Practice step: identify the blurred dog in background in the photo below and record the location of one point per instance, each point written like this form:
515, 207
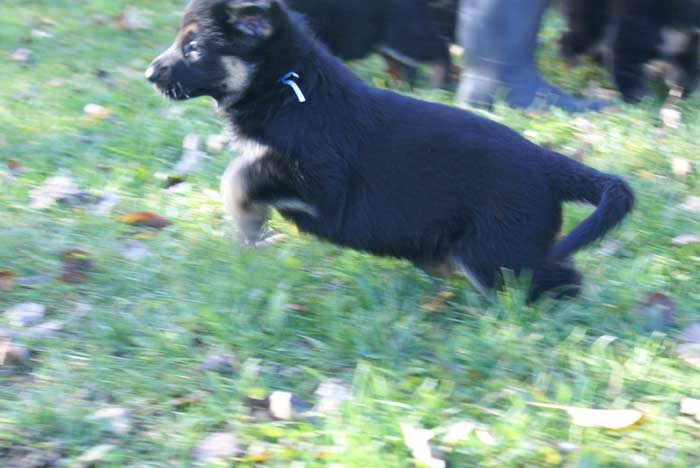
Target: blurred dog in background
408, 33
638, 38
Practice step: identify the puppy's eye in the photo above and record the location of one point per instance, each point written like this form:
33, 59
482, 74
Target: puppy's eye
191, 50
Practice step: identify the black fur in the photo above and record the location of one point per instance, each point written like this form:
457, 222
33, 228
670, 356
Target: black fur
639, 37
588, 21
404, 31
395, 176
632, 31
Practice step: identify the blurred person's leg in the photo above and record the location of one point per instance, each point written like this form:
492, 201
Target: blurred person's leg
499, 38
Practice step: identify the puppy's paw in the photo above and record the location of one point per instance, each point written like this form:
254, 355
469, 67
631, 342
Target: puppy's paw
271, 238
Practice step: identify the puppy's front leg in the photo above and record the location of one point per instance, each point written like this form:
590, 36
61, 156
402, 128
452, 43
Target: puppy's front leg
248, 215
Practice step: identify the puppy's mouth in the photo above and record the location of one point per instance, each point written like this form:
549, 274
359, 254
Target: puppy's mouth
174, 91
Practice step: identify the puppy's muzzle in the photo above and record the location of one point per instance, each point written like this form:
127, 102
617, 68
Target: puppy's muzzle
160, 70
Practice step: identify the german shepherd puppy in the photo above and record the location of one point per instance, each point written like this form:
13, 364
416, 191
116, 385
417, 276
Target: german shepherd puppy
374, 170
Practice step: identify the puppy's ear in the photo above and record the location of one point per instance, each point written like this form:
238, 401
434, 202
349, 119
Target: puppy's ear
253, 18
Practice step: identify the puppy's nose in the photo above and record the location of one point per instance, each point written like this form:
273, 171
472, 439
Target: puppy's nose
158, 73
152, 73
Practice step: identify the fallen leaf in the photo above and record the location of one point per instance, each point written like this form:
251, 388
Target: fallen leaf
13, 354
330, 395
458, 432
26, 314
297, 308
7, 280
145, 218
95, 454
53, 189
567, 447
670, 117
41, 34
686, 239
657, 312
106, 204
689, 353
21, 55
133, 19
96, 112
217, 448
286, 406
14, 166
44, 330
597, 418
117, 418
76, 264
691, 407
485, 437
438, 302
692, 204
220, 363
681, 167
32, 281
258, 453
417, 440
136, 251
691, 333
271, 240
608, 249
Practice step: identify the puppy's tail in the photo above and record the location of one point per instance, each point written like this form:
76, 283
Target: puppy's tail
573, 181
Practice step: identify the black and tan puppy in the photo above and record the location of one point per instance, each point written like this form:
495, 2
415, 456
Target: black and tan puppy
374, 170
405, 32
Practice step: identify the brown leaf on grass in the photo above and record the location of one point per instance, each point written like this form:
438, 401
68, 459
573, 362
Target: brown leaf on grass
76, 264
7, 280
438, 302
689, 353
417, 440
686, 239
14, 166
145, 218
597, 418
657, 312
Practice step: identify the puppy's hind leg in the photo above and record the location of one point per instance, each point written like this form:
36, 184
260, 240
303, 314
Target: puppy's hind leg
560, 278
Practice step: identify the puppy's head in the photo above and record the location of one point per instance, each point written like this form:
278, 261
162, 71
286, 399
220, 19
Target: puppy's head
212, 53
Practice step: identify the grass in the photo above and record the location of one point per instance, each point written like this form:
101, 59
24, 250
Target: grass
135, 334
